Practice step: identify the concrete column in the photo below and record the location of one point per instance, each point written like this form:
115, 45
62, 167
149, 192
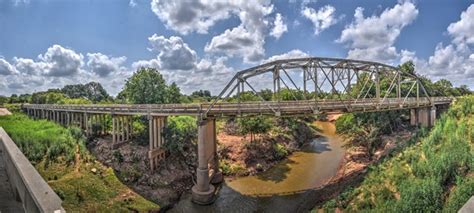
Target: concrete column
114, 129
432, 115
413, 117
87, 126
202, 191
211, 141
424, 116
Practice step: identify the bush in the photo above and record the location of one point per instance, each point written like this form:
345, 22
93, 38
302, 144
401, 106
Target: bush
181, 131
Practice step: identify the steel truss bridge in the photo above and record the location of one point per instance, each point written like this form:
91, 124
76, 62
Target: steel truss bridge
297, 87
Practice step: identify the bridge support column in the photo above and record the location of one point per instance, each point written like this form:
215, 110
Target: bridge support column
120, 130
425, 116
157, 139
432, 115
203, 191
413, 117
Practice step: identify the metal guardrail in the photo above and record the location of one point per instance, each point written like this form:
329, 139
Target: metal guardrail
35, 194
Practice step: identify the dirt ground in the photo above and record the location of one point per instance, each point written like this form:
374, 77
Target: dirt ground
4, 111
163, 186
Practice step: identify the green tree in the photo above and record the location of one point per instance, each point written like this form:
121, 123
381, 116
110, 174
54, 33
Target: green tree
3, 100
173, 94
254, 126
92, 91
146, 86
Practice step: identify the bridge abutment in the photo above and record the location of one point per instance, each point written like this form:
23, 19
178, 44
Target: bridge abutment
425, 116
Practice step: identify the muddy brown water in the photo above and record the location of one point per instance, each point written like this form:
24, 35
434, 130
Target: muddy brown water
282, 187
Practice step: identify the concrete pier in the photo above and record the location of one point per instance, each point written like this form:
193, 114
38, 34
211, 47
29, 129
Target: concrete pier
425, 116
208, 165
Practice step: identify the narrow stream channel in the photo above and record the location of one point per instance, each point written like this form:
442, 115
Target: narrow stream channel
279, 188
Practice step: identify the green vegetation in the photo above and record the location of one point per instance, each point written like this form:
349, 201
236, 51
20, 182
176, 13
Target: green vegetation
364, 129
254, 126
433, 175
180, 131
147, 86
62, 159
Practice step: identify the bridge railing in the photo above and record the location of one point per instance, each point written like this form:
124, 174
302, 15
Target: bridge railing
255, 107
35, 194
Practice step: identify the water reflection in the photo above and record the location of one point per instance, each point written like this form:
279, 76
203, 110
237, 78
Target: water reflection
281, 188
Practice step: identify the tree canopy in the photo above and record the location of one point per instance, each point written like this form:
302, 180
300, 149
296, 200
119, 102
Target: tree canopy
147, 86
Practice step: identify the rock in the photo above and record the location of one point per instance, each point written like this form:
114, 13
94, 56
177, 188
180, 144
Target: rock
94, 170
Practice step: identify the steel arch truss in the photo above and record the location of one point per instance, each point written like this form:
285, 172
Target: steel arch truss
326, 79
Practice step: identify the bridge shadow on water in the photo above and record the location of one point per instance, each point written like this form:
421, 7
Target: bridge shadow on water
278, 172
318, 145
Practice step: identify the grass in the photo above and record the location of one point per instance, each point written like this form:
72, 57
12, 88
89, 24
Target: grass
60, 156
436, 174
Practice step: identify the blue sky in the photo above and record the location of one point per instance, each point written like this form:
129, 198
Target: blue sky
199, 45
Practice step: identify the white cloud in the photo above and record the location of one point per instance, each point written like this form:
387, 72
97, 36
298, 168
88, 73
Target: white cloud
454, 61
321, 19
199, 16
103, 65
192, 16
28, 66
278, 27
132, 3
372, 38
60, 61
463, 30
6, 68
238, 42
174, 53
295, 53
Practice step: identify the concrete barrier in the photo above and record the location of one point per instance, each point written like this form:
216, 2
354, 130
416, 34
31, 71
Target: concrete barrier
33, 191
468, 207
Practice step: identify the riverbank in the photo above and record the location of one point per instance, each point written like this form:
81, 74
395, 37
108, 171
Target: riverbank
434, 173
241, 155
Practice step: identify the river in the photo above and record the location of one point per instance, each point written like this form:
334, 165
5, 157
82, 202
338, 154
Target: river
280, 188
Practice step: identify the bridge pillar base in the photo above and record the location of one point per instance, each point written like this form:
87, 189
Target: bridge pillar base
203, 197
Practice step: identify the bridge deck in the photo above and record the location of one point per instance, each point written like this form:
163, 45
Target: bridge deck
8, 203
302, 107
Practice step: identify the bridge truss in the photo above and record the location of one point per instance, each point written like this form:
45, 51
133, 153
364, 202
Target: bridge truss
317, 80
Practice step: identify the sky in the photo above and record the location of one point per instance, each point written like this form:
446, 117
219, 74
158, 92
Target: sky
201, 44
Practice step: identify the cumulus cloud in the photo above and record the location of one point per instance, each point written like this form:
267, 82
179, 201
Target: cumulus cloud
238, 42
192, 16
179, 63
174, 53
60, 61
454, 61
103, 65
6, 68
278, 27
463, 30
245, 40
60, 66
321, 19
372, 38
